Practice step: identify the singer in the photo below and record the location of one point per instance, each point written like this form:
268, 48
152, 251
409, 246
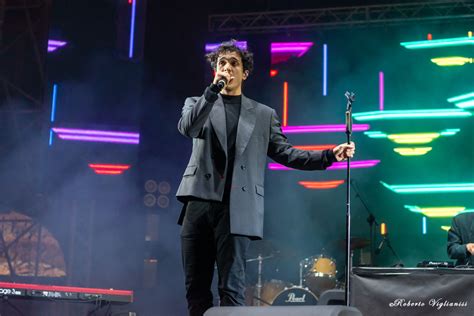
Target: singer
222, 186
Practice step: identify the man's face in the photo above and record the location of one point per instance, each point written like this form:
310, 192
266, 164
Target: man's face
231, 62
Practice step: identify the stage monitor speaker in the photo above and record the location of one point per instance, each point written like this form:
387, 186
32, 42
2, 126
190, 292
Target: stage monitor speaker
283, 311
332, 297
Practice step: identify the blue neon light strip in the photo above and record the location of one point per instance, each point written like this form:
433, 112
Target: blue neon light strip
53, 111
53, 102
50, 137
132, 29
458, 41
325, 70
424, 225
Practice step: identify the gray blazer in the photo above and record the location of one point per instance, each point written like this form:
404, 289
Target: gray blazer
460, 234
258, 134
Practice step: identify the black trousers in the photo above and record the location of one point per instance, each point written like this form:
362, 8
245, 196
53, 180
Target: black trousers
206, 240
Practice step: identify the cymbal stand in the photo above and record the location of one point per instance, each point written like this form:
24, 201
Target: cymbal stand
301, 274
259, 279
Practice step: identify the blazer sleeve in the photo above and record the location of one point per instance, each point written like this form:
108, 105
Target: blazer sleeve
195, 113
280, 150
456, 248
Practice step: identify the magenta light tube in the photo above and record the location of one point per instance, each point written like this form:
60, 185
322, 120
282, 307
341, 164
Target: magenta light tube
336, 165
292, 44
325, 69
288, 49
213, 46
354, 164
323, 128
56, 43
100, 139
75, 131
381, 91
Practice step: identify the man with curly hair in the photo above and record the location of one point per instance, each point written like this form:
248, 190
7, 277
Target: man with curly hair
222, 187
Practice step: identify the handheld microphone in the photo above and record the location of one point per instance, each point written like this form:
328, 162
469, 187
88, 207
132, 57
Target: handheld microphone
221, 83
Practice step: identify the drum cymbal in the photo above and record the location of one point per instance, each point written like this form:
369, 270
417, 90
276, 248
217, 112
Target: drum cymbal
356, 243
259, 258
263, 248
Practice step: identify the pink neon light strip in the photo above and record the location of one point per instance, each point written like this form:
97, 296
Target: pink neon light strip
213, 46
336, 165
285, 104
323, 128
292, 44
381, 91
54, 44
100, 139
73, 131
315, 147
290, 47
354, 164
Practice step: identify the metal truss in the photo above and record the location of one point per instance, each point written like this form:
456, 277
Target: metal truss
27, 249
338, 17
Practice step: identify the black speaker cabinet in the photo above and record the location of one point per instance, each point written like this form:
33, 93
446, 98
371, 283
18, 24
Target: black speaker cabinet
284, 311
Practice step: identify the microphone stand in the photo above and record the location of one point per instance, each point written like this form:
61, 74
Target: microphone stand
386, 241
350, 98
370, 219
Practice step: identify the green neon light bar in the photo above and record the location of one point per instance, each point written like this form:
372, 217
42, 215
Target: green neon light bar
465, 104
410, 114
375, 134
449, 132
430, 188
461, 97
446, 42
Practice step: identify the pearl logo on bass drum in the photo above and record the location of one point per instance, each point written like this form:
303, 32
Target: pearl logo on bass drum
293, 299
295, 296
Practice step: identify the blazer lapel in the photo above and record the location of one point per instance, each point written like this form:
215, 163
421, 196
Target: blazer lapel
246, 125
217, 117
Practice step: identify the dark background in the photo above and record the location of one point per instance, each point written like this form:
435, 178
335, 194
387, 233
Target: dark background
100, 88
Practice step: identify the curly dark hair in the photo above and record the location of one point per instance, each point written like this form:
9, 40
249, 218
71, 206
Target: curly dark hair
231, 46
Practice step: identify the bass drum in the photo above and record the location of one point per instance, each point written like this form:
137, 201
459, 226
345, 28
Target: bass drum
295, 296
270, 290
321, 274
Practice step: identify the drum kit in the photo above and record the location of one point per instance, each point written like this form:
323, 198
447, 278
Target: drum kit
317, 274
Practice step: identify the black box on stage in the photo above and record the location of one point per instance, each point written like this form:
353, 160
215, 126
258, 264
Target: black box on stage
284, 311
413, 291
